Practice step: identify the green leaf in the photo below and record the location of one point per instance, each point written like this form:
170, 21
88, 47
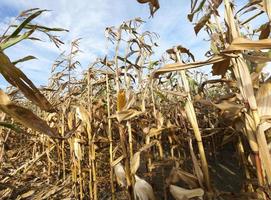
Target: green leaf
14, 41
24, 23
24, 59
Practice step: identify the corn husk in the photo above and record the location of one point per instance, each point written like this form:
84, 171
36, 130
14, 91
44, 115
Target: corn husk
180, 193
143, 190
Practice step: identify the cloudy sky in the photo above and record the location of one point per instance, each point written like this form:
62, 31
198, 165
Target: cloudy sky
87, 19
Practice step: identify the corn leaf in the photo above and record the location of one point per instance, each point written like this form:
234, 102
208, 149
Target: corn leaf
18, 79
23, 24
181, 66
13, 41
24, 59
25, 116
241, 43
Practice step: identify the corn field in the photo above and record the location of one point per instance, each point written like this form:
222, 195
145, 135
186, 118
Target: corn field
140, 128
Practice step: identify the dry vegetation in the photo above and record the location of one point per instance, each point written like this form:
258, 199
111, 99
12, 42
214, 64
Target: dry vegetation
137, 128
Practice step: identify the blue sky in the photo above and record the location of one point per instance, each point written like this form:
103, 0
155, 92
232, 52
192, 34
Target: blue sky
88, 19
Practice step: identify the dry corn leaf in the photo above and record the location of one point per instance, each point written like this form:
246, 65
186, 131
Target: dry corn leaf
147, 146
229, 19
258, 57
25, 116
126, 114
202, 22
118, 160
264, 99
250, 128
241, 43
155, 131
243, 77
264, 150
18, 79
70, 120
197, 168
191, 115
27, 194
180, 49
265, 31
231, 108
83, 114
181, 66
183, 194
177, 175
160, 119
267, 7
131, 99
205, 18
220, 68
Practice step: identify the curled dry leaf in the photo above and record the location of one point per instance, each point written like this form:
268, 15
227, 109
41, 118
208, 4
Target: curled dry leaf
154, 5
220, 68
212, 9
183, 194
25, 116
202, 22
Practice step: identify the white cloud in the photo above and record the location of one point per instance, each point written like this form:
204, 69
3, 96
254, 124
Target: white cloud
87, 20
